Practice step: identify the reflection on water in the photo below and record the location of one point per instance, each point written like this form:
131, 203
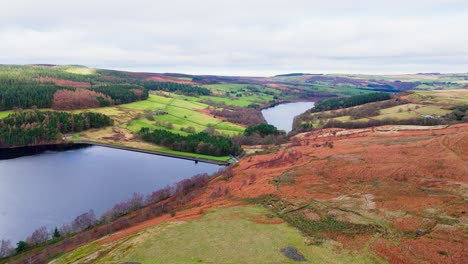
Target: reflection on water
282, 116
51, 188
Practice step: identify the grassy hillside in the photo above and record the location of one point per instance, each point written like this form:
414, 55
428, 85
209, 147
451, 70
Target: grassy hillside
242, 234
434, 106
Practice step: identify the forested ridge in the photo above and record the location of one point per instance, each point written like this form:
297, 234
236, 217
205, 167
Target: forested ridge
176, 88
337, 103
26, 94
201, 143
42, 87
36, 127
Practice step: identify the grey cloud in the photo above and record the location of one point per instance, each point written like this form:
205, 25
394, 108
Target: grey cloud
233, 37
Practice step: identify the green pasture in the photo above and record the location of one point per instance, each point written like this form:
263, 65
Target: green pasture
230, 235
182, 113
4, 114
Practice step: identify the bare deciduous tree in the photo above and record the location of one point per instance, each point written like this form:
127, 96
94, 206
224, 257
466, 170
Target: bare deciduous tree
6, 249
40, 235
84, 221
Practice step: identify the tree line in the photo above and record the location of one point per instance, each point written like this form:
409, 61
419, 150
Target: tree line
460, 113
261, 134
176, 88
17, 93
337, 103
262, 129
36, 127
122, 93
201, 143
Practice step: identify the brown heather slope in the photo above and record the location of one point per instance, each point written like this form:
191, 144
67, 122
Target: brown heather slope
412, 185
160, 77
400, 194
62, 82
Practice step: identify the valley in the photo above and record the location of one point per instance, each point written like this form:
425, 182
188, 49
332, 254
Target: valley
349, 168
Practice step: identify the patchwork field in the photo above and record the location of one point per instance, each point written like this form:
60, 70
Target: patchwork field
442, 97
241, 94
407, 111
181, 113
415, 105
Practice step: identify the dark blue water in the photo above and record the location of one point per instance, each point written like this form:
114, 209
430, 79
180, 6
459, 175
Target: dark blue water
52, 188
282, 116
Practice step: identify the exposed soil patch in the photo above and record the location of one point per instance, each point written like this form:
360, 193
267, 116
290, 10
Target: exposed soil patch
277, 86
159, 77
267, 219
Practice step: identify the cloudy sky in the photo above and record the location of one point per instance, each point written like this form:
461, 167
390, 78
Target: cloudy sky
239, 37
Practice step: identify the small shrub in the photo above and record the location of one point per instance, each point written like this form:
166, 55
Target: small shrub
252, 179
217, 192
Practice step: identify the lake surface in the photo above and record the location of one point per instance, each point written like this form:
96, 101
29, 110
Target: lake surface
52, 188
282, 116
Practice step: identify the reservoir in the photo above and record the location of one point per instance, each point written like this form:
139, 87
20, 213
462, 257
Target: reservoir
282, 116
53, 187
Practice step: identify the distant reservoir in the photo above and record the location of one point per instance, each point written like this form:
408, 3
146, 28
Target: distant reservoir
282, 115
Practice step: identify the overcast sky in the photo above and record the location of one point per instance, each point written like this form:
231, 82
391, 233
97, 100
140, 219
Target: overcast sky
251, 37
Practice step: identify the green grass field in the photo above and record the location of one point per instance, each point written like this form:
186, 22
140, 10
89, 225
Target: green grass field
406, 111
182, 113
443, 97
400, 112
4, 114
240, 94
343, 90
221, 236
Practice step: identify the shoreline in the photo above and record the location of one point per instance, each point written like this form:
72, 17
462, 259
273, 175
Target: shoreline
77, 143
152, 152
289, 101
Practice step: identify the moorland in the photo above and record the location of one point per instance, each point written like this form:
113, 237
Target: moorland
374, 173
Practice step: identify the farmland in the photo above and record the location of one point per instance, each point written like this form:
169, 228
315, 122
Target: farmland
196, 103
442, 97
417, 105
402, 112
181, 113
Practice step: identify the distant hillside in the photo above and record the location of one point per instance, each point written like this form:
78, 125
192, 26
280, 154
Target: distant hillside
291, 74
